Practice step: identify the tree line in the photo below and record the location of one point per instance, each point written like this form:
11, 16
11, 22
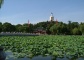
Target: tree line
51, 27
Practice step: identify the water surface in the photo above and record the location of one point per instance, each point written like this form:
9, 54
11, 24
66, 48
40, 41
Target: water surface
10, 56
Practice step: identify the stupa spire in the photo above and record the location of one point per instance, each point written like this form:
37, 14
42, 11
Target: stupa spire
51, 17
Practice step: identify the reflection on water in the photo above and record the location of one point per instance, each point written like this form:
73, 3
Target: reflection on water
10, 56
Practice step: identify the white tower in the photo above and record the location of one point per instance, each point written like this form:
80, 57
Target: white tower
51, 17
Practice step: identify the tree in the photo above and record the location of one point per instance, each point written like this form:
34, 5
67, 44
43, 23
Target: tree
27, 28
41, 24
1, 1
75, 25
71, 26
7, 27
0, 27
31, 28
13, 29
18, 28
76, 31
82, 28
49, 25
53, 29
60, 28
64, 29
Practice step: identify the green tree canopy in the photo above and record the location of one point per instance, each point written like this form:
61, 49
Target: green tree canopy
0, 27
76, 31
60, 28
82, 28
7, 27
18, 28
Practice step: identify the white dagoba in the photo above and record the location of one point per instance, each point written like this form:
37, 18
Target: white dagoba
51, 17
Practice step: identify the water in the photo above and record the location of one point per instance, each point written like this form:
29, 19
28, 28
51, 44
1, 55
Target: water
10, 56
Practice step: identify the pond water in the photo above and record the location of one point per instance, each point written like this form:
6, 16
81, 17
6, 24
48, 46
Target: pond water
10, 56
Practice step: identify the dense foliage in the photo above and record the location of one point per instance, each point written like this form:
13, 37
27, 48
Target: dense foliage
51, 27
57, 46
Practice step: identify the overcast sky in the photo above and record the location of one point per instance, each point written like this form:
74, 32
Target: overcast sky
20, 11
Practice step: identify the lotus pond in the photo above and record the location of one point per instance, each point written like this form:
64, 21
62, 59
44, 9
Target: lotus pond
46, 47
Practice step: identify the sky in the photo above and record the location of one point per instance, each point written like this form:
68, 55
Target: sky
20, 11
